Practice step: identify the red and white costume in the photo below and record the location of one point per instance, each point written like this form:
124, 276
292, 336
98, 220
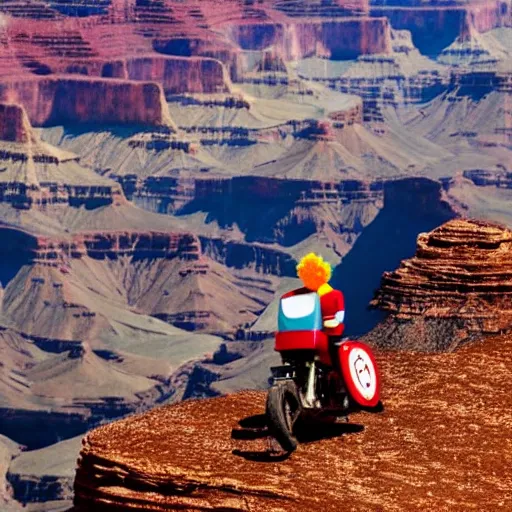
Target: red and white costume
333, 310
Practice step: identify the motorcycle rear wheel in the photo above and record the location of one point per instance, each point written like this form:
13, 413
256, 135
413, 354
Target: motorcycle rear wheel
283, 409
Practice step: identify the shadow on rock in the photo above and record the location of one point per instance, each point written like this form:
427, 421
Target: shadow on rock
310, 430
268, 456
253, 427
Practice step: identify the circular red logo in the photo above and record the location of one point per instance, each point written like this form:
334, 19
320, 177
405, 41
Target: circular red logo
360, 373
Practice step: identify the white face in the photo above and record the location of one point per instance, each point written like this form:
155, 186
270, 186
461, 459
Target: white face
363, 373
299, 306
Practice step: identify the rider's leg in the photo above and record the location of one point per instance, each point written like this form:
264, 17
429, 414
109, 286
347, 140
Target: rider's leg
334, 352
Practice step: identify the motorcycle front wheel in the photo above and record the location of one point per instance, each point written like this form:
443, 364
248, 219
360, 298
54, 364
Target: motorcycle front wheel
283, 409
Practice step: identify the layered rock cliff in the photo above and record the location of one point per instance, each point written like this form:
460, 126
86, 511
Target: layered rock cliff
457, 286
335, 39
73, 100
45, 475
14, 124
216, 454
435, 25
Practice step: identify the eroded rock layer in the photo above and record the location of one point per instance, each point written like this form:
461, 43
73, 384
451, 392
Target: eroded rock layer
83, 100
462, 272
207, 455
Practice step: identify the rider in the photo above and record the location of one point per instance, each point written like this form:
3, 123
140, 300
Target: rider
315, 273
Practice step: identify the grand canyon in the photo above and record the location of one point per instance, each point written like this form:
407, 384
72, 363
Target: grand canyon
164, 165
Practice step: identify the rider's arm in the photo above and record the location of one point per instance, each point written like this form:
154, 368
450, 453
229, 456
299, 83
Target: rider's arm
334, 320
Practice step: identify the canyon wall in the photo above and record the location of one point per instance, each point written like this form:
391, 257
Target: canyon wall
50, 101
335, 39
434, 27
180, 75
14, 125
99, 245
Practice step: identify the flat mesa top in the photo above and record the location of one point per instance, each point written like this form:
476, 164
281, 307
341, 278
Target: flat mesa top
214, 453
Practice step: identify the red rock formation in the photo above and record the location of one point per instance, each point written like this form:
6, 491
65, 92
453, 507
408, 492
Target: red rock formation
340, 38
84, 45
461, 276
14, 124
80, 100
179, 74
210, 454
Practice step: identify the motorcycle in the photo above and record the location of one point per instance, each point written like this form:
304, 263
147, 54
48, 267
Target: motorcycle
311, 380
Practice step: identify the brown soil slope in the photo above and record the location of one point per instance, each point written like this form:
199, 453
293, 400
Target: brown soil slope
442, 443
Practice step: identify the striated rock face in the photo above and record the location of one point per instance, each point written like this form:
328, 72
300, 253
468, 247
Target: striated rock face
179, 74
336, 39
458, 284
35, 175
116, 244
51, 101
435, 25
99, 245
164, 275
215, 454
14, 124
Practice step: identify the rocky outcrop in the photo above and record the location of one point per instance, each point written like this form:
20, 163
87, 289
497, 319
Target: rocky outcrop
157, 460
35, 175
46, 474
336, 39
25, 197
176, 74
434, 26
180, 75
50, 101
489, 178
14, 124
457, 286
8, 450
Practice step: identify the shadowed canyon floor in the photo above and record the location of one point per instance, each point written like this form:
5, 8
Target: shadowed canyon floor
443, 442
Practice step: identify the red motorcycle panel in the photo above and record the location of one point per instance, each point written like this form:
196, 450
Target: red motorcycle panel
301, 340
304, 340
360, 373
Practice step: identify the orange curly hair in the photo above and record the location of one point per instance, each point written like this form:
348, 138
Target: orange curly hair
314, 271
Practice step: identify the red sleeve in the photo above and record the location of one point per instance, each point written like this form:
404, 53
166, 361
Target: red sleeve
332, 302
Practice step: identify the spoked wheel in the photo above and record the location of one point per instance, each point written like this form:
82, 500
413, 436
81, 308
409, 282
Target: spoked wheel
283, 410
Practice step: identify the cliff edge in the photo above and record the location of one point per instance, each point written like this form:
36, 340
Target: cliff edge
441, 441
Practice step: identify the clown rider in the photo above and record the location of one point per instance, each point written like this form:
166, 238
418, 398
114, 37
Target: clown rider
315, 274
